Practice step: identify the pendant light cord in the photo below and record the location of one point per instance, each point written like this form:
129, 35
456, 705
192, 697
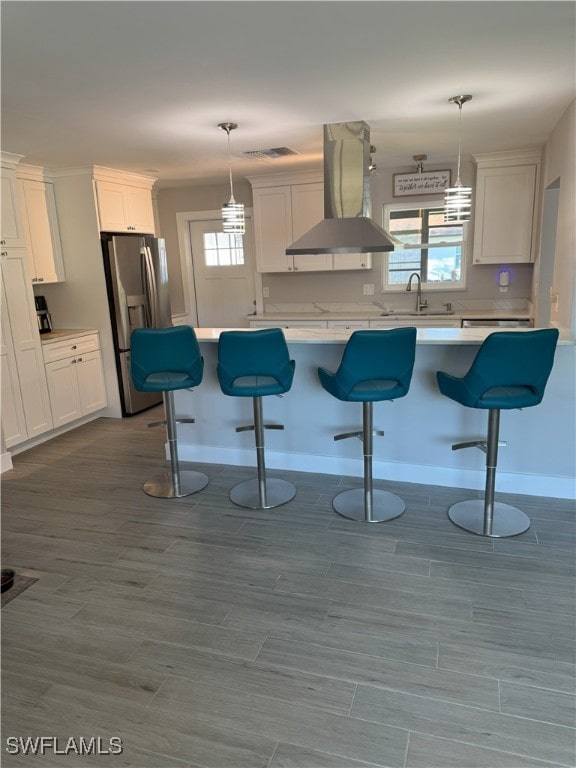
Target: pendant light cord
458, 182
230, 166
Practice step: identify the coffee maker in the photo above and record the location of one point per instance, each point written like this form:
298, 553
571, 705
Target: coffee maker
44, 319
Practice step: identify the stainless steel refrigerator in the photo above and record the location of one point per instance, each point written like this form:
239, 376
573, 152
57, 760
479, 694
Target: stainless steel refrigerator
138, 295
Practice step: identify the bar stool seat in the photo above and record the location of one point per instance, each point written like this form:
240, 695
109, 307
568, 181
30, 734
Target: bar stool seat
375, 366
166, 360
257, 364
509, 371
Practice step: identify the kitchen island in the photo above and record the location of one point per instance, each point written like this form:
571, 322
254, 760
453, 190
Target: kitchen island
540, 457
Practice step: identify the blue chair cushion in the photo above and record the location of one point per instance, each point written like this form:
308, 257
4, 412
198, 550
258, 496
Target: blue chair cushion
510, 370
376, 365
254, 363
165, 359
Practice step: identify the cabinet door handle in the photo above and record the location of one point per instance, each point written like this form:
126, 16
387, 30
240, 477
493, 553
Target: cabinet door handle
73, 361
74, 346
79, 360
4, 253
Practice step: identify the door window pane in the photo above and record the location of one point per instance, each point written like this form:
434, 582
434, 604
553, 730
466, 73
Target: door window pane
223, 250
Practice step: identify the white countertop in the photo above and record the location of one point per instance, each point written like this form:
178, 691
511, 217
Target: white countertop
513, 314
66, 333
341, 335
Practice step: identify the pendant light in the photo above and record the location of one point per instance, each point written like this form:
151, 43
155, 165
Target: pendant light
232, 212
458, 199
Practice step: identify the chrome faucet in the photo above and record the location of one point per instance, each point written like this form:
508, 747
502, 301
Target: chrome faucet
420, 305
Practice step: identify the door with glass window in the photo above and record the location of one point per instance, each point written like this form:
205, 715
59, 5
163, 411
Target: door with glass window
223, 275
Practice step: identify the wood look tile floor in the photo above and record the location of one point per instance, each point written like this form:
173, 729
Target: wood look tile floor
209, 636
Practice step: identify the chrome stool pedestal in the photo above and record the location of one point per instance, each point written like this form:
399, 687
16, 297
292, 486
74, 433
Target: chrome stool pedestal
488, 517
367, 504
261, 492
175, 483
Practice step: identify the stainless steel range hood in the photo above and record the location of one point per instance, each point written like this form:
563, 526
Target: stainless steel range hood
346, 227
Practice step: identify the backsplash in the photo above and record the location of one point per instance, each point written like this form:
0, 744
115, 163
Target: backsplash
400, 302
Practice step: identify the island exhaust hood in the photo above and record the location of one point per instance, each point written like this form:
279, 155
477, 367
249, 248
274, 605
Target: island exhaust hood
346, 227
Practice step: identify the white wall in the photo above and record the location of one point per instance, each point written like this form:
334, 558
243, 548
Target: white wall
560, 163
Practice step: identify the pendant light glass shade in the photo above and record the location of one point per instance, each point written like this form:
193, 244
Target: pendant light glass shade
458, 199
233, 221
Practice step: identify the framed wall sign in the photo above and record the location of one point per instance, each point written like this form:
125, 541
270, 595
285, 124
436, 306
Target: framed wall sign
425, 183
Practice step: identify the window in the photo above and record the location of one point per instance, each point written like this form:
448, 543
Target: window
433, 249
223, 250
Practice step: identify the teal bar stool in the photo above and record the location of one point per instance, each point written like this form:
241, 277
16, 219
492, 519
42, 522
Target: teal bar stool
375, 366
257, 364
509, 371
165, 360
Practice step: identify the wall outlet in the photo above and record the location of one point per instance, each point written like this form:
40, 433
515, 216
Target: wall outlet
368, 289
266, 292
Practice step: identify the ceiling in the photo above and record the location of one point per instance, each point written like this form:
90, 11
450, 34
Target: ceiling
141, 86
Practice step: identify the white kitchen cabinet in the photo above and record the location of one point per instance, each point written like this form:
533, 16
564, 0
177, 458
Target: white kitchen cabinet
75, 378
418, 322
505, 207
41, 229
124, 207
349, 324
12, 233
13, 420
284, 210
288, 324
282, 214
25, 342
352, 260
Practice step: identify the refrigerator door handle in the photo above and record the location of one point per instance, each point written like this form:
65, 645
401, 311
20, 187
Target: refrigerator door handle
151, 289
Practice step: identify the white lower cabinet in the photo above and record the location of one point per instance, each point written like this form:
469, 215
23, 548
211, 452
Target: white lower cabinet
351, 324
75, 378
288, 324
13, 421
418, 322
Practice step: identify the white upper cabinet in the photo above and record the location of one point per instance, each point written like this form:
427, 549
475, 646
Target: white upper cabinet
285, 208
505, 207
124, 206
12, 233
41, 228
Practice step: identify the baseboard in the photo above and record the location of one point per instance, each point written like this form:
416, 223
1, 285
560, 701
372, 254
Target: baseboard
451, 477
6, 462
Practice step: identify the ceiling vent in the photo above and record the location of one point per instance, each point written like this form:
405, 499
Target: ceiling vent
269, 154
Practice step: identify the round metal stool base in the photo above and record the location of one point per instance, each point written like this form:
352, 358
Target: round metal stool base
506, 521
247, 494
161, 486
385, 505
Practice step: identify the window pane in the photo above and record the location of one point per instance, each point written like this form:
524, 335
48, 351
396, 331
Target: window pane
432, 248
223, 250
444, 264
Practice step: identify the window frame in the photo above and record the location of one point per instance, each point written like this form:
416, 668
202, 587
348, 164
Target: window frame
387, 287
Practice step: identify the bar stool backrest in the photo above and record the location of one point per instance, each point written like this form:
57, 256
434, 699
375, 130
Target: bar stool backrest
510, 370
376, 356
164, 359
261, 354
